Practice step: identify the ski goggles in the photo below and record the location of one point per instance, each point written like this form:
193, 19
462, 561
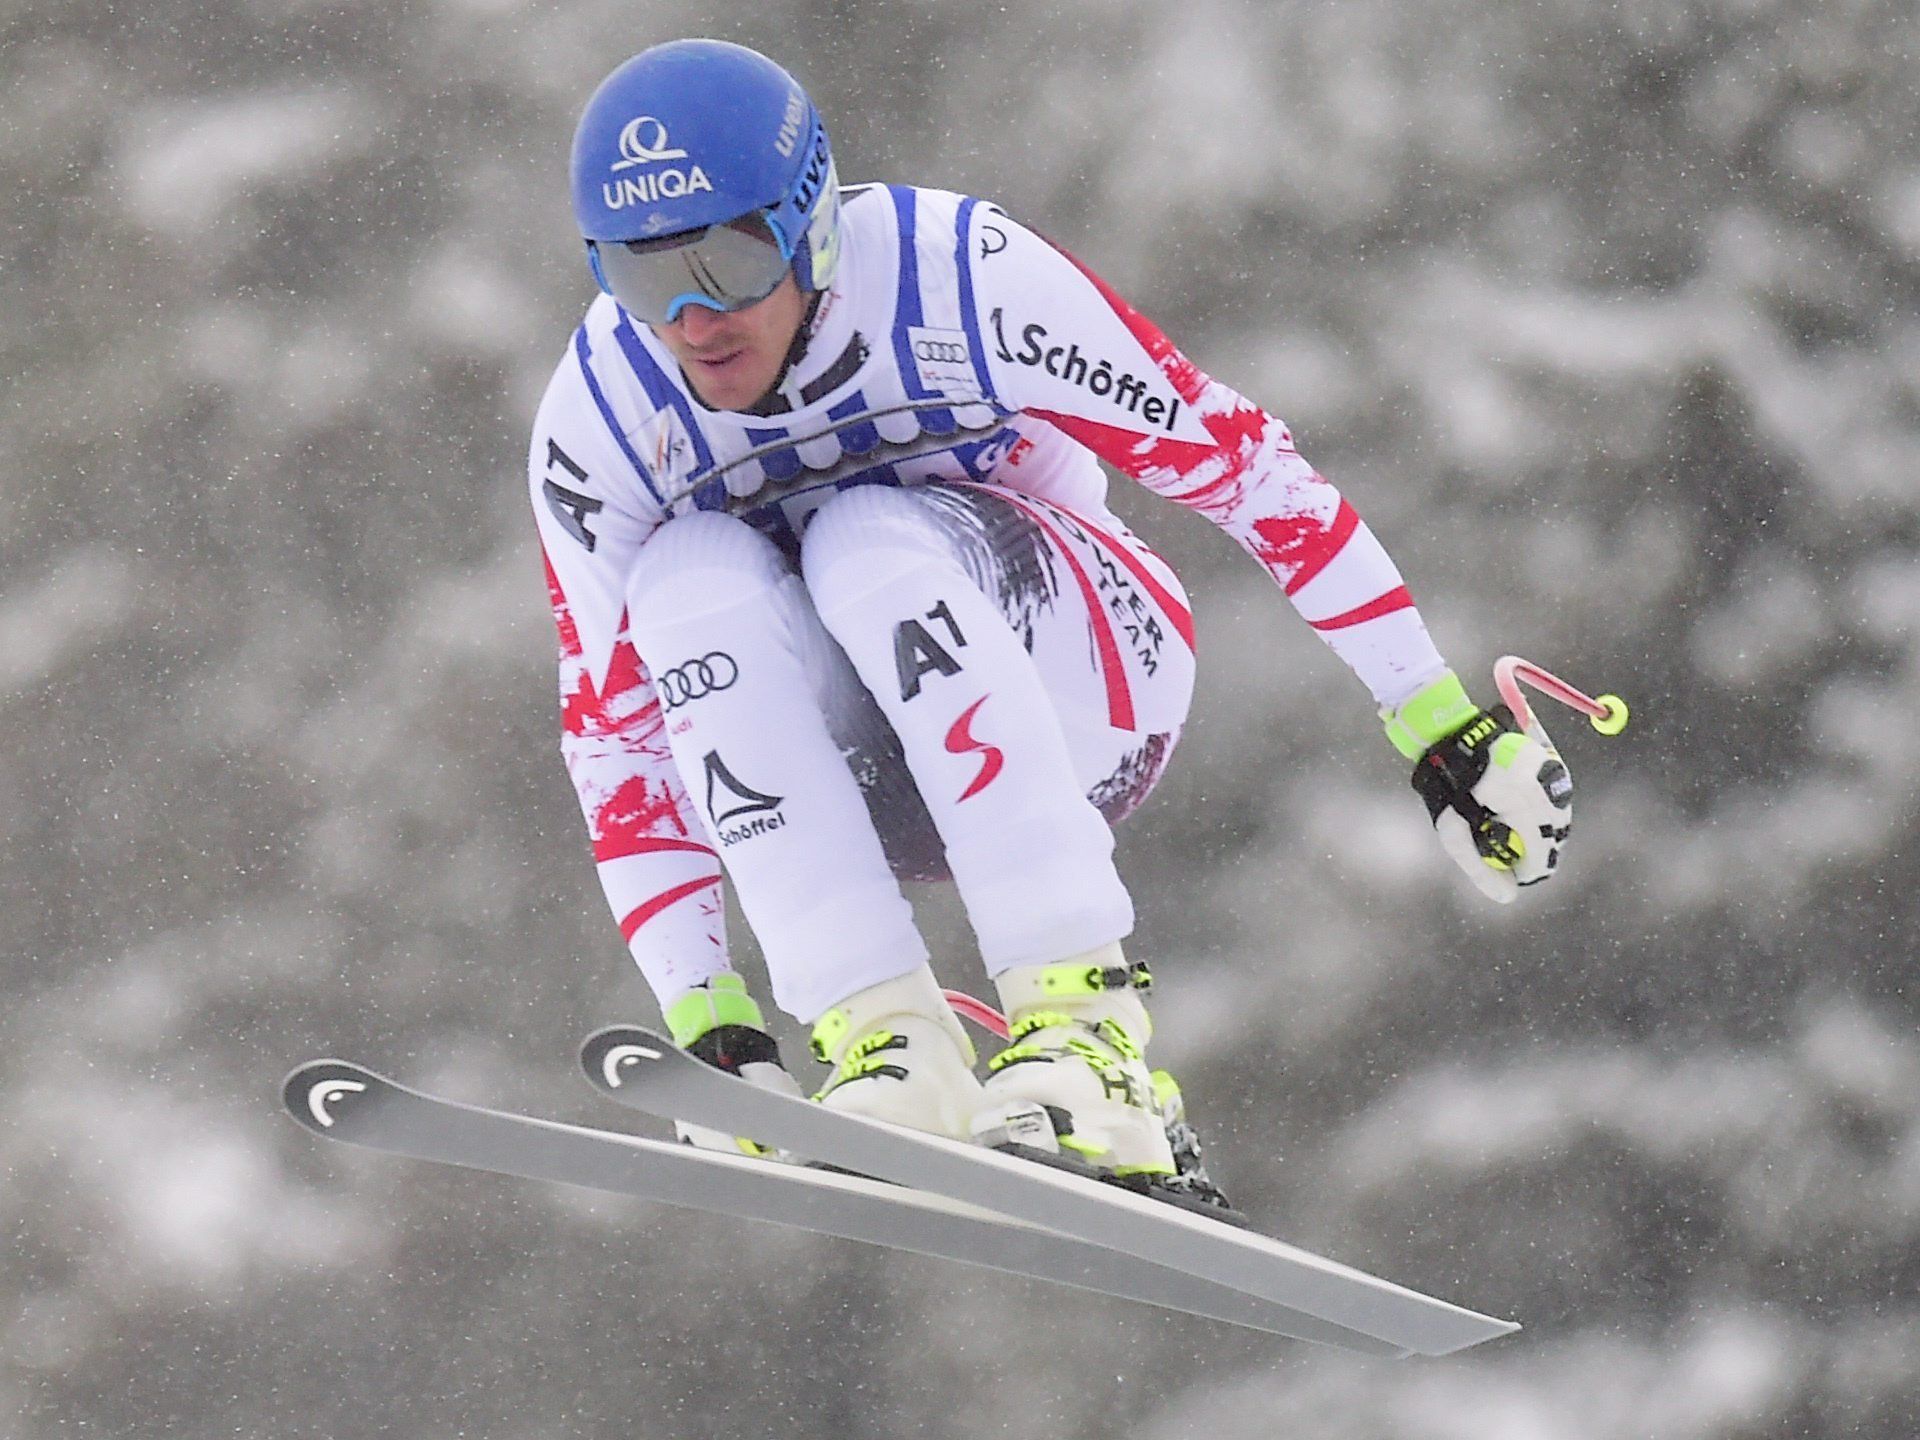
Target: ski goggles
724, 267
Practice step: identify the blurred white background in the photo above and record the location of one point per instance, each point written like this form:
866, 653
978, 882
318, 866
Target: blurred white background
1603, 314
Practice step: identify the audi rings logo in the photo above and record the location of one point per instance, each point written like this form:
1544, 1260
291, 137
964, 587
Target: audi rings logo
946, 352
695, 678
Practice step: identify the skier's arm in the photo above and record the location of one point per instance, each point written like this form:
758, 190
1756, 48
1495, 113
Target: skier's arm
660, 874
1062, 345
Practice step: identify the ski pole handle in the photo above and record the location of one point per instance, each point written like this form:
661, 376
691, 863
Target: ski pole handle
1608, 713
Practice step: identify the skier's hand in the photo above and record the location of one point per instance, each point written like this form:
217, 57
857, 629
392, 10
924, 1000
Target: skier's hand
1500, 797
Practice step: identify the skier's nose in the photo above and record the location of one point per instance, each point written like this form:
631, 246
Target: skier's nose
699, 324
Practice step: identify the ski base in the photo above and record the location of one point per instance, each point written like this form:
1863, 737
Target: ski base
645, 1070
929, 1195
341, 1101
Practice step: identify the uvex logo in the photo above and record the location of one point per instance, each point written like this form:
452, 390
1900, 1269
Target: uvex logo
819, 166
789, 135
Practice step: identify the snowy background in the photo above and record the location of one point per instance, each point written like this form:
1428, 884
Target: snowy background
1603, 313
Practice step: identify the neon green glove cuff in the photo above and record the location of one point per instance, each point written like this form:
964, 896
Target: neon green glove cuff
723, 1000
1430, 716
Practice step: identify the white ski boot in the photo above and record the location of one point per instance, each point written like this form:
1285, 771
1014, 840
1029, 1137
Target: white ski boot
719, 1023
1078, 1031
899, 1055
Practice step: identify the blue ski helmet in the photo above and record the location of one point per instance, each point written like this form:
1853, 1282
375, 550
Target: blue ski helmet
688, 137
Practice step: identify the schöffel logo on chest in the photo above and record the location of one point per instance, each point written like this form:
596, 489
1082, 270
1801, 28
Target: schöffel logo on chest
1144, 396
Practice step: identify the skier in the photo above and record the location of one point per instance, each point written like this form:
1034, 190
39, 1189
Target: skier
841, 603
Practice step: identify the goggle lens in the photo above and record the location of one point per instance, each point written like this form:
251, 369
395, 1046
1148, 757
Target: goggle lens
724, 267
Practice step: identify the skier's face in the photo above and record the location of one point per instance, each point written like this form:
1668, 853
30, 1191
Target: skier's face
732, 358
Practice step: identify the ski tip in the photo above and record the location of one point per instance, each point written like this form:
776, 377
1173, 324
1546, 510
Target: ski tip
1487, 1328
322, 1093
609, 1055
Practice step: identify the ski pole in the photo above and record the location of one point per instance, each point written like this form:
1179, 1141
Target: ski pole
978, 1011
1608, 713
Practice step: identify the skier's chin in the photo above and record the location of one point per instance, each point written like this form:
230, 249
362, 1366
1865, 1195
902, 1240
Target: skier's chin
731, 379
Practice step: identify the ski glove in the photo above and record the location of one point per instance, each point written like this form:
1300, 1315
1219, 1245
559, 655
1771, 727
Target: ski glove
1500, 797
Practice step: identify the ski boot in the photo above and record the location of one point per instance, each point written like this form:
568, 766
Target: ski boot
1073, 1082
718, 1022
899, 1055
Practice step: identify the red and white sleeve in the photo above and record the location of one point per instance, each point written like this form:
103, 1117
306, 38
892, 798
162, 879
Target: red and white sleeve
659, 870
1064, 347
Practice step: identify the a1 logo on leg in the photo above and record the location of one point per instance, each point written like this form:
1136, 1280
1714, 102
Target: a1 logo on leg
917, 654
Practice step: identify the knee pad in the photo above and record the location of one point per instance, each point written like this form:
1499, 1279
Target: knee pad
865, 537
700, 563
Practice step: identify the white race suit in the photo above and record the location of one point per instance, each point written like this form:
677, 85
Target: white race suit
888, 628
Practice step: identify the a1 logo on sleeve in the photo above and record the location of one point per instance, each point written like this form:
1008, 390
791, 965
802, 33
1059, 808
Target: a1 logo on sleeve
943, 360
570, 505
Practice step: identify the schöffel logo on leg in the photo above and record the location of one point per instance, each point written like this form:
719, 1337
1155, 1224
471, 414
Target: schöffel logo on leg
728, 800
695, 679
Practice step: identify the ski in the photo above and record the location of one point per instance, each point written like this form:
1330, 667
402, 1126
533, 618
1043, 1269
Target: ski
648, 1072
346, 1102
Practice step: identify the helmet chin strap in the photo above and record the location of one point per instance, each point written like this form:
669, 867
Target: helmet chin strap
802, 335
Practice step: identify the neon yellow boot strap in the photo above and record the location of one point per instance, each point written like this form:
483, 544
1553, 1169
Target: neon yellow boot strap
1073, 979
723, 1000
1429, 716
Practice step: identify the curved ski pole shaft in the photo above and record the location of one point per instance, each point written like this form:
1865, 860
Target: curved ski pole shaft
1608, 713
978, 1011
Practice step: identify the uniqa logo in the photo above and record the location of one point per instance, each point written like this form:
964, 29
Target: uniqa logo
649, 151
644, 142
647, 189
